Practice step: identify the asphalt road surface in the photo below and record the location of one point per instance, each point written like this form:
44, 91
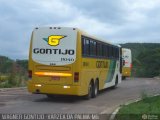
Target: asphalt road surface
20, 101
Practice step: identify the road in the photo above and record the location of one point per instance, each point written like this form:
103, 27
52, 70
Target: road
20, 101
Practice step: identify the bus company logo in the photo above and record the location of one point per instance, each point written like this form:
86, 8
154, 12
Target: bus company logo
54, 40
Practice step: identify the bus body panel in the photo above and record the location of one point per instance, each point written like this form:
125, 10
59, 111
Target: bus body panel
104, 70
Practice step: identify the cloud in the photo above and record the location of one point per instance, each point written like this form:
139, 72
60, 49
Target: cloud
103, 10
117, 21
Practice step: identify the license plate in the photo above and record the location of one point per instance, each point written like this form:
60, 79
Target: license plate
55, 78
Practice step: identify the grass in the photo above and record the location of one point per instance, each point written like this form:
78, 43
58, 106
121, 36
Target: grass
147, 107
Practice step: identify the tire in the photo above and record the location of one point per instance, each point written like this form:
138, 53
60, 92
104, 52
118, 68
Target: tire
116, 83
90, 89
123, 77
95, 89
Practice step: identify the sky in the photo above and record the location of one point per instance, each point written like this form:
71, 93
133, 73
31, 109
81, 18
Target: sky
117, 21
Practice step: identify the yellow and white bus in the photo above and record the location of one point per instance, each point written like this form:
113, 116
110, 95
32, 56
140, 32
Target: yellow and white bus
127, 62
67, 61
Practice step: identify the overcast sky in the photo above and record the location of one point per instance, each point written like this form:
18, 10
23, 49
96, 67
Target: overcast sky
119, 21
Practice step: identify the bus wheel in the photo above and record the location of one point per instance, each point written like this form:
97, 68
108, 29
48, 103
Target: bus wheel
95, 89
123, 77
90, 89
116, 83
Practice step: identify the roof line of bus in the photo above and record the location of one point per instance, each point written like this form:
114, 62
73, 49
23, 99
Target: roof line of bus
93, 37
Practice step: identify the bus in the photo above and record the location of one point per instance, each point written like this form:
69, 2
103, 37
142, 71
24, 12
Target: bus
127, 63
68, 61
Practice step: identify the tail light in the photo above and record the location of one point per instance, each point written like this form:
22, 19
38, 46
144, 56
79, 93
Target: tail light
131, 65
76, 76
30, 74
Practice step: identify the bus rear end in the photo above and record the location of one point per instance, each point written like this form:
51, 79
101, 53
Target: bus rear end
52, 61
127, 63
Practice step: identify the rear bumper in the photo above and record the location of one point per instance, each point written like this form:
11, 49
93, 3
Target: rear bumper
54, 89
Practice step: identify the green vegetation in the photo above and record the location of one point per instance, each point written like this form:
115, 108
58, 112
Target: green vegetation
147, 107
146, 59
12, 73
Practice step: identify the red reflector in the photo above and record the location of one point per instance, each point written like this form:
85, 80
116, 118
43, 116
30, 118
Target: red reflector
76, 76
30, 73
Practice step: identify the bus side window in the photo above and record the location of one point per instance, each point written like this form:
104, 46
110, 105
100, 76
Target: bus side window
113, 52
85, 47
94, 48
107, 51
103, 50
97, 49
91, 47
110, 51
